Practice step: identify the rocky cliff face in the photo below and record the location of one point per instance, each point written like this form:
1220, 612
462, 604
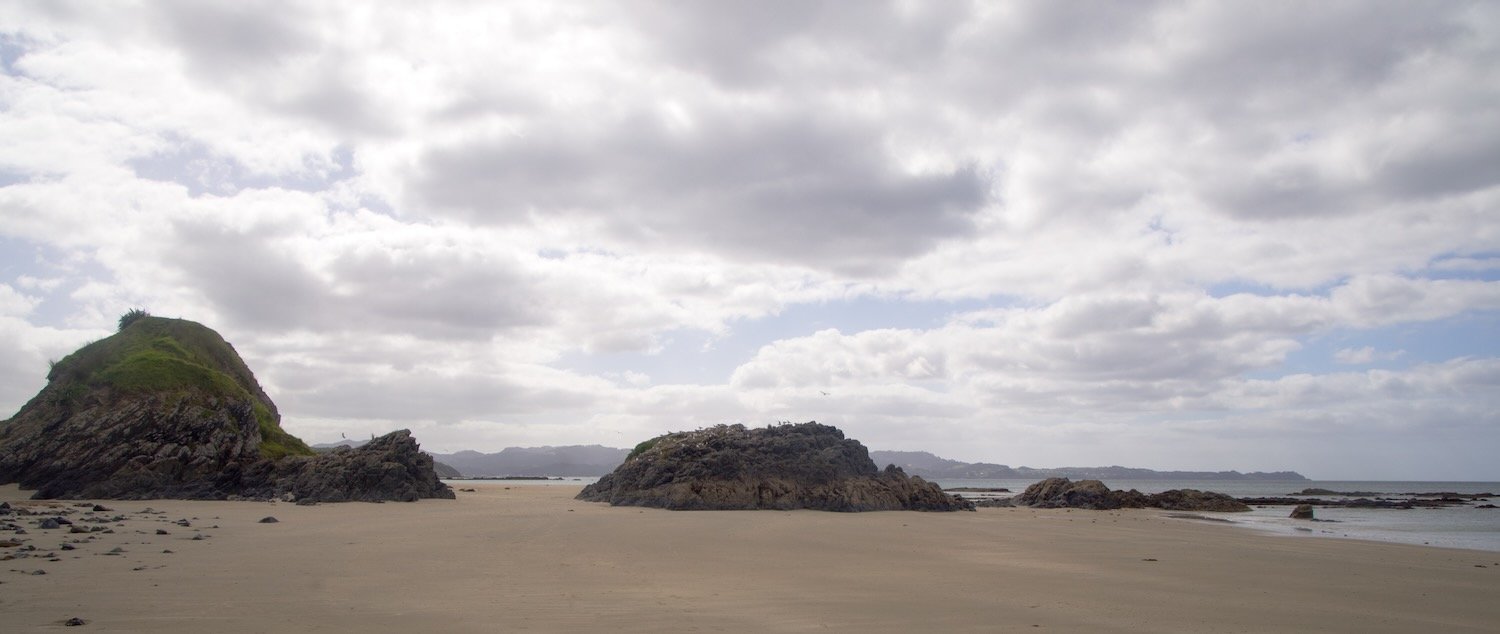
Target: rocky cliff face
146, 447
165, 408
1093, 494
729, 467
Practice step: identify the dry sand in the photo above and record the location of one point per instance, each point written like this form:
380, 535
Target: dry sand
530, 558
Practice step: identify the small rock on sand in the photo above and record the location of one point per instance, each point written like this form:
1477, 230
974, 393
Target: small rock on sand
269, 520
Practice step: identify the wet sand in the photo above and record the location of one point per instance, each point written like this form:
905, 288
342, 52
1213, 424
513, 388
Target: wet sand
530, 558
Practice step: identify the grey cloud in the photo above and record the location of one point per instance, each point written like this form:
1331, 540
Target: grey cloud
245, 278
435, 290
234, 38
246, 48
1284, 54
1295, 192
799, 189
758, 43
1285, 71
1459, 160
1058, 55
337, 101
435, 293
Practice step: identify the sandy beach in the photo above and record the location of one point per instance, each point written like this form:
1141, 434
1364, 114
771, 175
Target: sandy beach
530, 558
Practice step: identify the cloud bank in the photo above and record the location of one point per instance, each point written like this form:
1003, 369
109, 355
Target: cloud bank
1171, 234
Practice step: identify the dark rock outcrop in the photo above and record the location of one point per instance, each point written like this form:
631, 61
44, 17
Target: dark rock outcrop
1055, 493
391, 467
1327, 492
165, 408
1093, 494
729, 467
1302, 512
1195, 500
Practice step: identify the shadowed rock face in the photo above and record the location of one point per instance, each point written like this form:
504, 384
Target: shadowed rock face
729, 467
1093, 494
166, 408
141, 448
391, 467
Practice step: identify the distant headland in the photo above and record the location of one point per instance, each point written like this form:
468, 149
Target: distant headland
595, 461
921, 463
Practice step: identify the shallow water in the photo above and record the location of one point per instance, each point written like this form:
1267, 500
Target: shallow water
1451, 527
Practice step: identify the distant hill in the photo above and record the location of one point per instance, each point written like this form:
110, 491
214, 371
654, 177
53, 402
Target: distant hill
596, 460
924, 464
569, 461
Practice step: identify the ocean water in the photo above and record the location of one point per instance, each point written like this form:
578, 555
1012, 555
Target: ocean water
475, 483
1449, 527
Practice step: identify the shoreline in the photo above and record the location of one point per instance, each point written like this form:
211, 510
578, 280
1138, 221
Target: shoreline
530, 558
1466, 521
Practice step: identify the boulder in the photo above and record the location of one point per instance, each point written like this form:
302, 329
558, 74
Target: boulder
783, 467
1302, 512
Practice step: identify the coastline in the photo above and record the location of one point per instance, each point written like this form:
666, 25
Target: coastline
530, 558
1467, 525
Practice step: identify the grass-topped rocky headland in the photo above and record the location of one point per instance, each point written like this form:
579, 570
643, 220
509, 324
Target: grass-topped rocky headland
166, 408
156, 357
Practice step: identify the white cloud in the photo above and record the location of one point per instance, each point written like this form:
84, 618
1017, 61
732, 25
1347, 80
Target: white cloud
13, 303
1364, 355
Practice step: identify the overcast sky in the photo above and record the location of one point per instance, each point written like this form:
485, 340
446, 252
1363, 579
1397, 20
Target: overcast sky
1176, 235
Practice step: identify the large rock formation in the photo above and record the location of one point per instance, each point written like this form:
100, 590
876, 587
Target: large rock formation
391, 467
729, 467
165, 408
1093, 494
